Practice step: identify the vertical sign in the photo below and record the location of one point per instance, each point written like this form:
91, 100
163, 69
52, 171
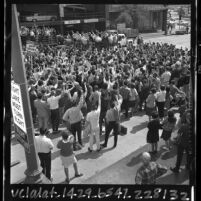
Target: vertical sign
17, 106
18, 116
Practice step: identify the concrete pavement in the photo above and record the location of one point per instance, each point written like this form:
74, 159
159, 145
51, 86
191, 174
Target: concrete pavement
117, 165
178, 40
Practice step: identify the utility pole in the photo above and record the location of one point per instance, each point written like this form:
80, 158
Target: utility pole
61, 16
21, 109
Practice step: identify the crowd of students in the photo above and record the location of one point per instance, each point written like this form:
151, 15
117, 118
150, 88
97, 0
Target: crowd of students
69, 85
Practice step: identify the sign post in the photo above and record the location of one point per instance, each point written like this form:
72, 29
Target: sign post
21, 109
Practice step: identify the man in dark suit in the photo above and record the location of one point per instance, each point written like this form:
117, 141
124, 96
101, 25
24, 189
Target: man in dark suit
183, 143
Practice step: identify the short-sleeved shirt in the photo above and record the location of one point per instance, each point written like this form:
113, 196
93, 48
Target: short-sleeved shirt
125, 93
169, 126
43, 144
53, 101
93, 118
133, 94
74, 114
150, 102
161, 96
66, 147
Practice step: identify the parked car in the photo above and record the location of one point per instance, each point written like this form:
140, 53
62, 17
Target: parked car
38, 17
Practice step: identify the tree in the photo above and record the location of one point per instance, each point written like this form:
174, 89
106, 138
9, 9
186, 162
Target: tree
125, 17
128, 15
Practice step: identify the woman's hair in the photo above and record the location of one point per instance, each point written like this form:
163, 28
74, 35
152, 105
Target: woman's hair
64, 135
154, 115
162, 87
40, 95
153, 90
171, 117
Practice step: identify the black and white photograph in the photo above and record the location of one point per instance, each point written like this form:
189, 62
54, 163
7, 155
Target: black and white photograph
102, 94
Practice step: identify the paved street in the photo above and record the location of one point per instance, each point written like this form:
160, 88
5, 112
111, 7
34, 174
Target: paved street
178, 40
117, 165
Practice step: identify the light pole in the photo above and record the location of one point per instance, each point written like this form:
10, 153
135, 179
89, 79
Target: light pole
24, 129
61, 15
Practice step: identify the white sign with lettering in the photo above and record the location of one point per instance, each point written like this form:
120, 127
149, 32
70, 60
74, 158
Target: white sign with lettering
31, 48
17, 106
72, 22
90, 20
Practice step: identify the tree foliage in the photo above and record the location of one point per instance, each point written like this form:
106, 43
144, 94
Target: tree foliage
128, 15
125, 17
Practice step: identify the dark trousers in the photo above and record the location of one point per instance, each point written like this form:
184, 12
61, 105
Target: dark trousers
112, 125
141, 100
45, 162
76, 128
180, 152
160, 106
125, 106
55, 117
101, 119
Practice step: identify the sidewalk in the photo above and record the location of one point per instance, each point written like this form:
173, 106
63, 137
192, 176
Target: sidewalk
97, 166
124, 171
152, 35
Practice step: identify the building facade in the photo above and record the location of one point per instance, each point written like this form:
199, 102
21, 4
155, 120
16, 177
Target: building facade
88, 17
146, 18
78, 17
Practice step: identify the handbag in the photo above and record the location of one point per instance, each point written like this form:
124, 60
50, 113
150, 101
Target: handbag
123, 130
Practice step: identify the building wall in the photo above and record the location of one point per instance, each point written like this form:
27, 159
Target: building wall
45, 9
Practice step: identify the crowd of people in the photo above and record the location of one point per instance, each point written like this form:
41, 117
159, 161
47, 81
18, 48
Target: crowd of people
37, 34
98, 87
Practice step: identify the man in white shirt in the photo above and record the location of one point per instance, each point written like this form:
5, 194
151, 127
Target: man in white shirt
93, 120
44, 146
165, 77
53, 102
161, 98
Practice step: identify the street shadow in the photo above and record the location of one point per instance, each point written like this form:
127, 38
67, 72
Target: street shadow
55, 154
64, 182
169, 154
139, 127
54, 136
155, 157
174, 178
139, 114
137, 159
92, 155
